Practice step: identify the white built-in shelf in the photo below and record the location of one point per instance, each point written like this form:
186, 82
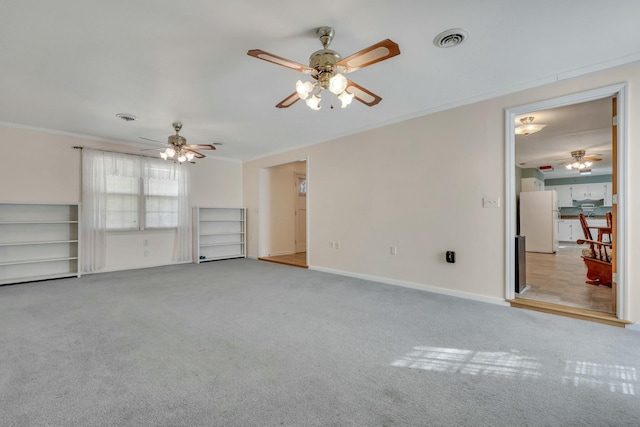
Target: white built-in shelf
219, 233
38, 241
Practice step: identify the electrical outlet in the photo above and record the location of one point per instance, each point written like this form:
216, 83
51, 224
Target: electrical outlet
488, 202
338, 245
146, 243
394, 250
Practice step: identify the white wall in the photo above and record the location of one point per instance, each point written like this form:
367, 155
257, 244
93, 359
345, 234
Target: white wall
50, 172
419, 185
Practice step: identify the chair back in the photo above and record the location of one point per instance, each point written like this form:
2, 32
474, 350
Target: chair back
609, 218
585, 227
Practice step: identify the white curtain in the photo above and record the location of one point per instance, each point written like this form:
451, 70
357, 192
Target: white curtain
168, 202
113, 199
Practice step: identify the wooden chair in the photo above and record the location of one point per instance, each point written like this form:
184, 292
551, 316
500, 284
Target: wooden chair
597, 257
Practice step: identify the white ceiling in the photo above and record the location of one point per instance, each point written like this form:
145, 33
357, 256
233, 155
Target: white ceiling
585, 126
70, 66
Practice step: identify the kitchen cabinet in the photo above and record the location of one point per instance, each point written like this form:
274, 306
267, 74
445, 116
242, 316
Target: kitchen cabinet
564, 230
564, 196
531, 184
594, 191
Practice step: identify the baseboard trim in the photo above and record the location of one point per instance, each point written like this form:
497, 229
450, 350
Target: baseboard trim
413, 285
573, 312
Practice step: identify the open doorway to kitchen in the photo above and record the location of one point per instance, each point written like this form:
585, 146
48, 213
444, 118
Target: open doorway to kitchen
545, 200
284, 214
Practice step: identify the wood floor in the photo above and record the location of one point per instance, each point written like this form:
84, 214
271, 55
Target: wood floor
296, 260
560, 278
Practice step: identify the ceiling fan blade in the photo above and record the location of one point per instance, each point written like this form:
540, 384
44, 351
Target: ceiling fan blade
196, 154
378, 52
153, 140
289, 100
192, 147
592, 159
278, 60
153, 149
363, 95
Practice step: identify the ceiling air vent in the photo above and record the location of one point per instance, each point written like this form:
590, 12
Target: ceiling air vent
450, 38
126, 117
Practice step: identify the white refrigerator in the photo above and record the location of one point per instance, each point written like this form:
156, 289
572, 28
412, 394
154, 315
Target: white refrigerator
539, 220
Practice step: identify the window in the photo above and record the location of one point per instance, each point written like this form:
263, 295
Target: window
141, 193
127, 192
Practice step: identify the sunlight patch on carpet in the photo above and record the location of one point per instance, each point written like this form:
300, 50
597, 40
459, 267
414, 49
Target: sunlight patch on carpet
471, 362
614, 378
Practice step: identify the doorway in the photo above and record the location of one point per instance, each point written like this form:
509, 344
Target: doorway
283, 214
552, 271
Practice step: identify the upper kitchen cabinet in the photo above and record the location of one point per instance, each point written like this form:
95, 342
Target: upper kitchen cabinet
565, 199
532, 184
593, 191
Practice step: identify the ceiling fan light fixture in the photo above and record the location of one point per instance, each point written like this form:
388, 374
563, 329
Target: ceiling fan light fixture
170, 152
337, 84
303, 89
580, 163
190, 155
314, 102
346, 98
527, 127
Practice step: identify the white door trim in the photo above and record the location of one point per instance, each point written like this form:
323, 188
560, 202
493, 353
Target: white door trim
621, 92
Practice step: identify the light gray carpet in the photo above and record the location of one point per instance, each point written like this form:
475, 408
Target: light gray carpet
250, 343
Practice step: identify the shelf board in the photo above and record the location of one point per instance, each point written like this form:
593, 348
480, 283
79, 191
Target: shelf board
202, 245
38, 278
50, 242
37, 222
223, 257
37, 261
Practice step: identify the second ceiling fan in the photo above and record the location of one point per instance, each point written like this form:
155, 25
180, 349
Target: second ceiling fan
327, 67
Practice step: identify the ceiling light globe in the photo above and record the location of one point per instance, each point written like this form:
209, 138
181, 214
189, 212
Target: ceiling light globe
337, 84
314, 102
163, 155
182, 158
170, 152
346, 98
190, 155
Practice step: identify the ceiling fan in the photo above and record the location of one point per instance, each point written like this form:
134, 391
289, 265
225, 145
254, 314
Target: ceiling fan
178, 147
580, 161
327, 67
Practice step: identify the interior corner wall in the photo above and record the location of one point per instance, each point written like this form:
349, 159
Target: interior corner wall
52, 174
425, 195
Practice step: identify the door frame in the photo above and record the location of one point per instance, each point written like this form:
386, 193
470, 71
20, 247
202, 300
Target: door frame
296, 180
264, 200
620, 91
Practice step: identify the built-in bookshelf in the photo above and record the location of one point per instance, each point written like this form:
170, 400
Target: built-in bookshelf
219, 233
38, 241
